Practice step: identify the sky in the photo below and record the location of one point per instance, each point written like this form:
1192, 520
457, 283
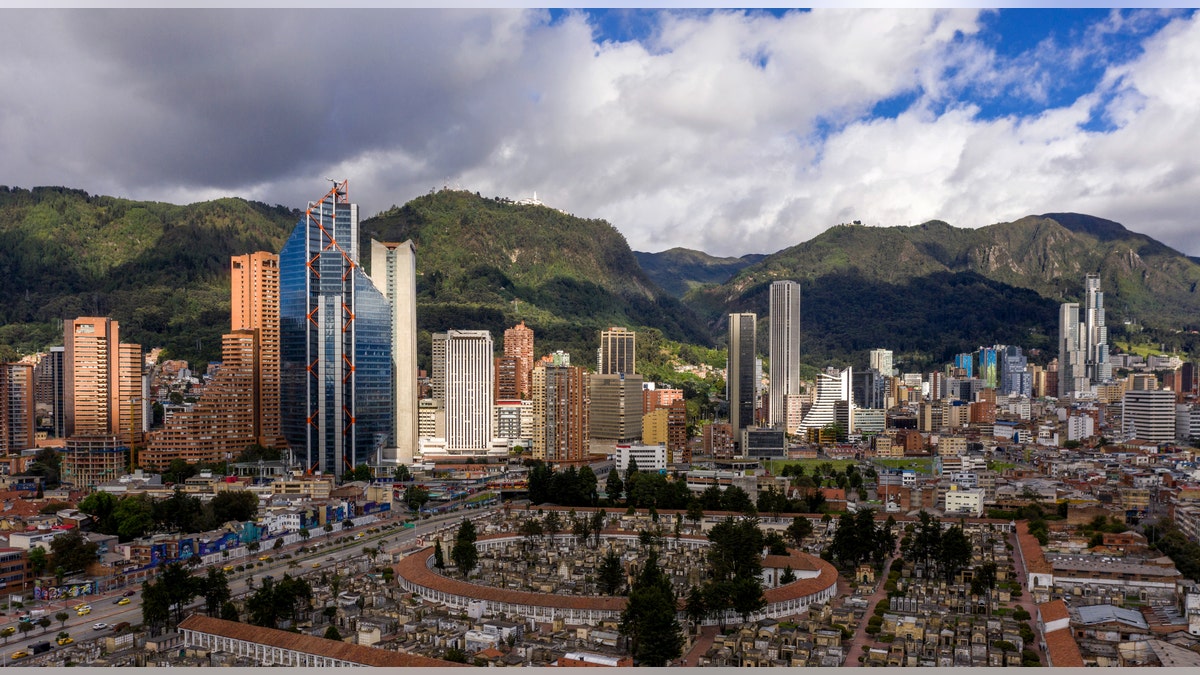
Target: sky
724, 130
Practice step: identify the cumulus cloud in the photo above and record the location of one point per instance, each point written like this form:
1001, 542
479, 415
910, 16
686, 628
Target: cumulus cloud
727, 131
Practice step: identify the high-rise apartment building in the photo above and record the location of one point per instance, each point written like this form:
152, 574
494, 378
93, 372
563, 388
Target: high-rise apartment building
1072, 373
50, 374
507, 386
227, 417
467, 379
740, 384
881, 360
617, 352
518, 344
103, 384
16, 407
783, 349
335, 343
104, 399
394, 273
561, 410
254, 305
1015, 378
833, 387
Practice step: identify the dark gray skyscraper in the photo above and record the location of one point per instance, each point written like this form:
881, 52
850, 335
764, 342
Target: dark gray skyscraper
740, 384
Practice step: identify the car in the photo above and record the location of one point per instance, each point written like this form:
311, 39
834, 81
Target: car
264, 558
117, 601
227, 569
80, 606
99, 625
19, 654
83, 612
65, 640
124, 601
129, 593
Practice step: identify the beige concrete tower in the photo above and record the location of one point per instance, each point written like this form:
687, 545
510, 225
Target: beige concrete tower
394, 273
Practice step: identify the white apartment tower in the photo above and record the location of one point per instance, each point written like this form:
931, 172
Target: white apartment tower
784, 349
394, 273
1099, 368
881, 360
463, 361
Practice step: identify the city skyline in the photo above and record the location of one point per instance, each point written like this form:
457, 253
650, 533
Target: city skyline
966, 115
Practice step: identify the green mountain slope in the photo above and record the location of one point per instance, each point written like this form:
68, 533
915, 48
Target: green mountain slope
488, 263
161, 270
679, 270
898, 286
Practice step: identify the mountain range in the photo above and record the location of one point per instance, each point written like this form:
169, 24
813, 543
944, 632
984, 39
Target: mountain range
927, 291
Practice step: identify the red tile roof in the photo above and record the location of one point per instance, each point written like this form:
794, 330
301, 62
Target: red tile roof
308, 644
1062, 650
1053, 611
1035, 560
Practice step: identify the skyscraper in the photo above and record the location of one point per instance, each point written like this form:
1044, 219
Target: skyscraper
833, 387
784, 349
615, 410
254, 305
617, 355
518, 343
741, 387
335, 342
1072, 374
103, 384
1099, 368
561, 411
466, 388
881, 360
51, 389
394, 273
16, 407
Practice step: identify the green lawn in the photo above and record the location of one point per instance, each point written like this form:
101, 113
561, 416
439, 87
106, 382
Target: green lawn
775, 466
1142, 349
919, 465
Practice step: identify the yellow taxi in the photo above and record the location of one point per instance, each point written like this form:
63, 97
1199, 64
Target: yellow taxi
83, 611
264, 558
65, 640
123, 601
316, 565
80, 606
227, 568
19, 654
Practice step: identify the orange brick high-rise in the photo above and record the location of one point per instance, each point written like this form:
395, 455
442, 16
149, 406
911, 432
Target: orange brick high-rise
518, 343
255, 306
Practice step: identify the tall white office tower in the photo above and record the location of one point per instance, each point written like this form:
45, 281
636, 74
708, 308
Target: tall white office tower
741, 387
783, 349
833, 387
1099, 368
881, 360
463, 359
1072, 375
394, 273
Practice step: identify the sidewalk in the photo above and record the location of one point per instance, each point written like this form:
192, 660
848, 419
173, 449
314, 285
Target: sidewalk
701, 646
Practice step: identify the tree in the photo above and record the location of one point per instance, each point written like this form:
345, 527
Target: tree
799, 529
649, 619
44, 622
464, 554
438, 559
72, 552
984, 579
587, 487
695, 512
416, 497
179, 586
775, 543
304, 534
278, 544
7, 633
347, 524
552, 524
631, 468
100, 506
230, 505
61, 618
229, 612
956, 552
38, 561
613, 487
611, 576
599, 518
695, 607
332, 633
402, 474
747, 596
134, 517
25, 626
788, 576
215, 588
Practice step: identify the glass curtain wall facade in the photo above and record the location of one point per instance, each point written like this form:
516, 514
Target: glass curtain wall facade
335, 340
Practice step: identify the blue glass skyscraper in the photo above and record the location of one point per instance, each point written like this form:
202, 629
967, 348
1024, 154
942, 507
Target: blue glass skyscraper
335, 342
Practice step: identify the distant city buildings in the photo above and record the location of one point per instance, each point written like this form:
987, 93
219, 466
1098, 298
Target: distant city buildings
17, 416
618, 352
1083, 359
741, 386
561, 410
